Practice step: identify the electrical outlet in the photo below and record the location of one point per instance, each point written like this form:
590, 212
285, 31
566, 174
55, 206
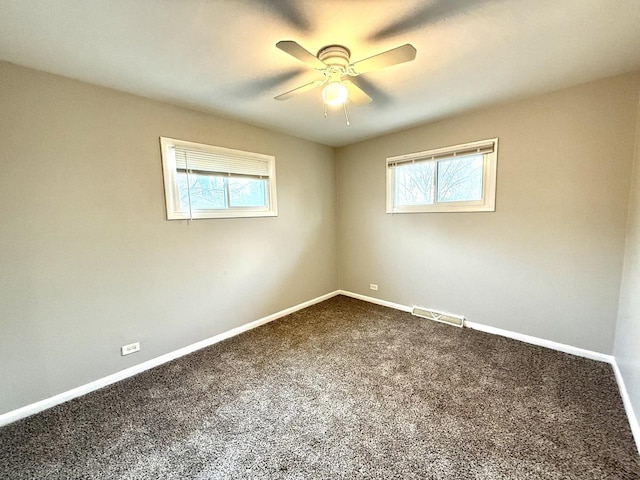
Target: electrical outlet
131, 348
373, 286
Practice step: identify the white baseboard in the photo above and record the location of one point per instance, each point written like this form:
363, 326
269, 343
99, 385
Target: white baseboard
377, 301
541, 342
631, 415
41, 405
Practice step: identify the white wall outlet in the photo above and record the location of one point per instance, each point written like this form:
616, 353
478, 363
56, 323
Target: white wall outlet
131, 348
373, 286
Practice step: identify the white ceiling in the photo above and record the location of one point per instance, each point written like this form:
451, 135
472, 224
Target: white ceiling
219, 56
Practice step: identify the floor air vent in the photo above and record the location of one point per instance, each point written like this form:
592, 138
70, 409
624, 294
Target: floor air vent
436, 316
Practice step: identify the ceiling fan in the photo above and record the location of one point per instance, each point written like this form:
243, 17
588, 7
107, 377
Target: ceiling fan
333, 61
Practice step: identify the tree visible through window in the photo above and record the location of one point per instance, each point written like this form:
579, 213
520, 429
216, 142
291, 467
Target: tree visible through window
460, 180
414, 183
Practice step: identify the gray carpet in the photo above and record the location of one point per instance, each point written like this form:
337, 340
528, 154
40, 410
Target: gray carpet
343, 389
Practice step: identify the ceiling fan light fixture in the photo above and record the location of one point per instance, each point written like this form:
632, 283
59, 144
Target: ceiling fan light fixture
334, 94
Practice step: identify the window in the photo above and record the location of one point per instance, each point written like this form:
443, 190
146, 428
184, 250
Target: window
461, 178
202, 181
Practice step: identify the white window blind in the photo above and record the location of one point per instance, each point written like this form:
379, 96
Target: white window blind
227, 163
480, 148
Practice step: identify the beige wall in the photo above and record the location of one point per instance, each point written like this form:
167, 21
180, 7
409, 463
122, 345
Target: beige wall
627, 343
90, 263
548, 261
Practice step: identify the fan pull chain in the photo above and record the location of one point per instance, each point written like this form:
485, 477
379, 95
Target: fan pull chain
346, 115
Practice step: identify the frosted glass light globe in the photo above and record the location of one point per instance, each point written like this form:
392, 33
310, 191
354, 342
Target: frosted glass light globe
335, 93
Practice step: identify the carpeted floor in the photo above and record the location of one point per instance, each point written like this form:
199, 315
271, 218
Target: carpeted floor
343, 389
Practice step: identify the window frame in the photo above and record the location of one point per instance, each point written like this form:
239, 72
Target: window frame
171, 193
489, 179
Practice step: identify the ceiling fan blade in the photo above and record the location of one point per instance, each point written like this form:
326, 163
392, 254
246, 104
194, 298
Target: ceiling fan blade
356, 94
397, 55
259, 86
289, 11
301, 89
378, 96
424, 15
295, 50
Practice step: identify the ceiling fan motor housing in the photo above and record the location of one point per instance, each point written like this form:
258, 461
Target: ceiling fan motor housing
335, 56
